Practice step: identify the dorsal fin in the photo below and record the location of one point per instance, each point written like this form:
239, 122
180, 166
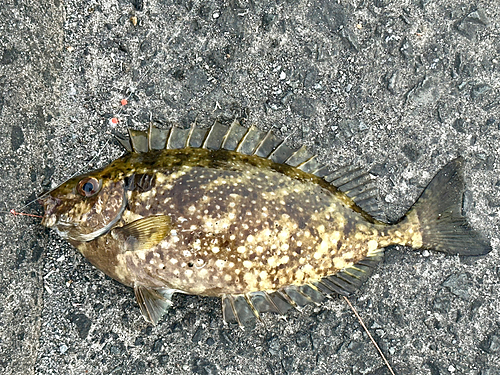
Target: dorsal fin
157, 138
139, 140
233, 136
215, 136
299, 157
197, 137
250, 141
268, 145
178, 138
281, 153
352, 181
359, 186
310, 165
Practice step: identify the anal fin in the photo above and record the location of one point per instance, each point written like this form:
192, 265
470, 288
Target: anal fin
238, 309
153, 302
348, 280
242, 309
302, 295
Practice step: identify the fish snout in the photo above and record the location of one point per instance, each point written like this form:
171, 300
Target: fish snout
49, 204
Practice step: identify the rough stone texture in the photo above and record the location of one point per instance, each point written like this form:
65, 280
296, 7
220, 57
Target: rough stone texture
396, 87
30, 63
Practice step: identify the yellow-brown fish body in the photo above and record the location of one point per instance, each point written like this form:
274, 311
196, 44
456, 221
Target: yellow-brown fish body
260, 234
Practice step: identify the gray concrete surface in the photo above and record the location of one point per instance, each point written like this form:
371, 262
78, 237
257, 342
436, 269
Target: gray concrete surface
398, 87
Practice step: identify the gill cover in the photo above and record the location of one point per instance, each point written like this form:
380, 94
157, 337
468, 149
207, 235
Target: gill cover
85, 207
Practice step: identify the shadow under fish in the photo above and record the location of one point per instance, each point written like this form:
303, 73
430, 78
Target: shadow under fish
238, 214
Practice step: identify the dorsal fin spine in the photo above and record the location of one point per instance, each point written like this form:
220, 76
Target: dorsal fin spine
224, 139
275, 148
207, 136
311, 165
260, 143
274, 155
169, 137
321, 171
242, 140
306, 161
150, 137
190, 134
269, 143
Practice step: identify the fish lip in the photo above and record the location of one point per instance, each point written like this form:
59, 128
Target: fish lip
50, 204
49, 221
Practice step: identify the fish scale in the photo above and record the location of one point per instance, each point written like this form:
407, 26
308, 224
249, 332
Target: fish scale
238, 214
265, 220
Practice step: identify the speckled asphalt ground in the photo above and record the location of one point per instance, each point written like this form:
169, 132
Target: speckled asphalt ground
397, 87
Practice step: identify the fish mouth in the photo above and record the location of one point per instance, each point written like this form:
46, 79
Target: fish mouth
50, 205
51, 219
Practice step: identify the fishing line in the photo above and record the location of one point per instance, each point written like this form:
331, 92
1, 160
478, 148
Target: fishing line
18, 213
115, 119
369, 335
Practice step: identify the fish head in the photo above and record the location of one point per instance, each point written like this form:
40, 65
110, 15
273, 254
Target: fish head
84, 207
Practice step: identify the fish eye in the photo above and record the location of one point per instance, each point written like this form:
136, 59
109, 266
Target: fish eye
88, 186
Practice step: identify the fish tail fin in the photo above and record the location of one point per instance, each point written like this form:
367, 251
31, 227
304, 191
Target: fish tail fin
439, 211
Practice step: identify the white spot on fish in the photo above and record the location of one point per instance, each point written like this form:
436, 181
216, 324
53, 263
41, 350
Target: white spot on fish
372, 245
284, 259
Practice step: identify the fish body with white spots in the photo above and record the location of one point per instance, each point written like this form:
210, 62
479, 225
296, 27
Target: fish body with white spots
236, 213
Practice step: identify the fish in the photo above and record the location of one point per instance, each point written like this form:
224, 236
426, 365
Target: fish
237, 213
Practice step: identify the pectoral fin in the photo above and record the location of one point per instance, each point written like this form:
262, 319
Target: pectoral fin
143, 233
153, 302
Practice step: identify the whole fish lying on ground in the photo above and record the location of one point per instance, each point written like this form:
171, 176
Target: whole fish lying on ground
236, 213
